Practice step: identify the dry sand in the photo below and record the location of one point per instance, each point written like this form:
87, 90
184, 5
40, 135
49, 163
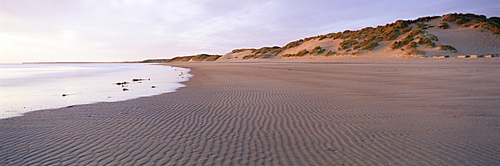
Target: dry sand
281, 112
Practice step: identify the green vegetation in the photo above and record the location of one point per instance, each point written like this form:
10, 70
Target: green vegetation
491, 27
424, 26
492, 24
253, 56
423, 19
205, 57
264, 52
199, 57
443, 25
432, 37
240, 50
154, 61
366, 45
303, 52
369, 38
407, 39
299, 54
427, 39
293, 44
347, 44
330, 53
180, 59
415, 38
447, 48
412, 45
317, 50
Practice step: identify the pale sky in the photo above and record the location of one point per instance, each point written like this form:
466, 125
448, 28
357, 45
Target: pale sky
124, 30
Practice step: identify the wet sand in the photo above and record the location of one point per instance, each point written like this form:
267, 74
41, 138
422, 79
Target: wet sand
282, 112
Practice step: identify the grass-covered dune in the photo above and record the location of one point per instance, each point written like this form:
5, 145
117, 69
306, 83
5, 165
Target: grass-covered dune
451, 34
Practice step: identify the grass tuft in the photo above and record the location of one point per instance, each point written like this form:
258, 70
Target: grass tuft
443, 25
447, 48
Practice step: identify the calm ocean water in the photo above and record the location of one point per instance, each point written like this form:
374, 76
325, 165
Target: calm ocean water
30, 87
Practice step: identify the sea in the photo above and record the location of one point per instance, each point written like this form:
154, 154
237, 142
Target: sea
31, 87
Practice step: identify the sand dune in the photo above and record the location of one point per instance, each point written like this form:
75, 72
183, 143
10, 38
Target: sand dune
281, 112
467, 38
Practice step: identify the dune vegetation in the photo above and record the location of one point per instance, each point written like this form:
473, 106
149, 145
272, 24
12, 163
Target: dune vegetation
199, 57
477, 21
408, 37
403, 37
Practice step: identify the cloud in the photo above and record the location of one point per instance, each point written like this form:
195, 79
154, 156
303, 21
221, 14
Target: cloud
113, 30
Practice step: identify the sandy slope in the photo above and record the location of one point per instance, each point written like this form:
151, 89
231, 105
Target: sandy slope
467, 41
343, 111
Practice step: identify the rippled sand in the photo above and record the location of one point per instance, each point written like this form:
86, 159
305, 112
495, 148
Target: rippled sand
282, 112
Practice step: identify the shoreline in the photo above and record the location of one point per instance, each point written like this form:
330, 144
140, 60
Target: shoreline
281, 112
52, 86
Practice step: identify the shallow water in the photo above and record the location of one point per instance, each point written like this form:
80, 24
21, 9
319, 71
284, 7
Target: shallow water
30, 87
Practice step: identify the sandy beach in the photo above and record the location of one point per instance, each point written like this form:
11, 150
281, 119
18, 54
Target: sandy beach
352, 111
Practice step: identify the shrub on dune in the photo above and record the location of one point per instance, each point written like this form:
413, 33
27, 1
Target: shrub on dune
330, 53
303, 52
443, 25
347, 44
492, 24
447, 48
412, 45
318, 50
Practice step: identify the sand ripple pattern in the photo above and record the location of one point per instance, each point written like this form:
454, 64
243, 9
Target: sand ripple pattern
278, 114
